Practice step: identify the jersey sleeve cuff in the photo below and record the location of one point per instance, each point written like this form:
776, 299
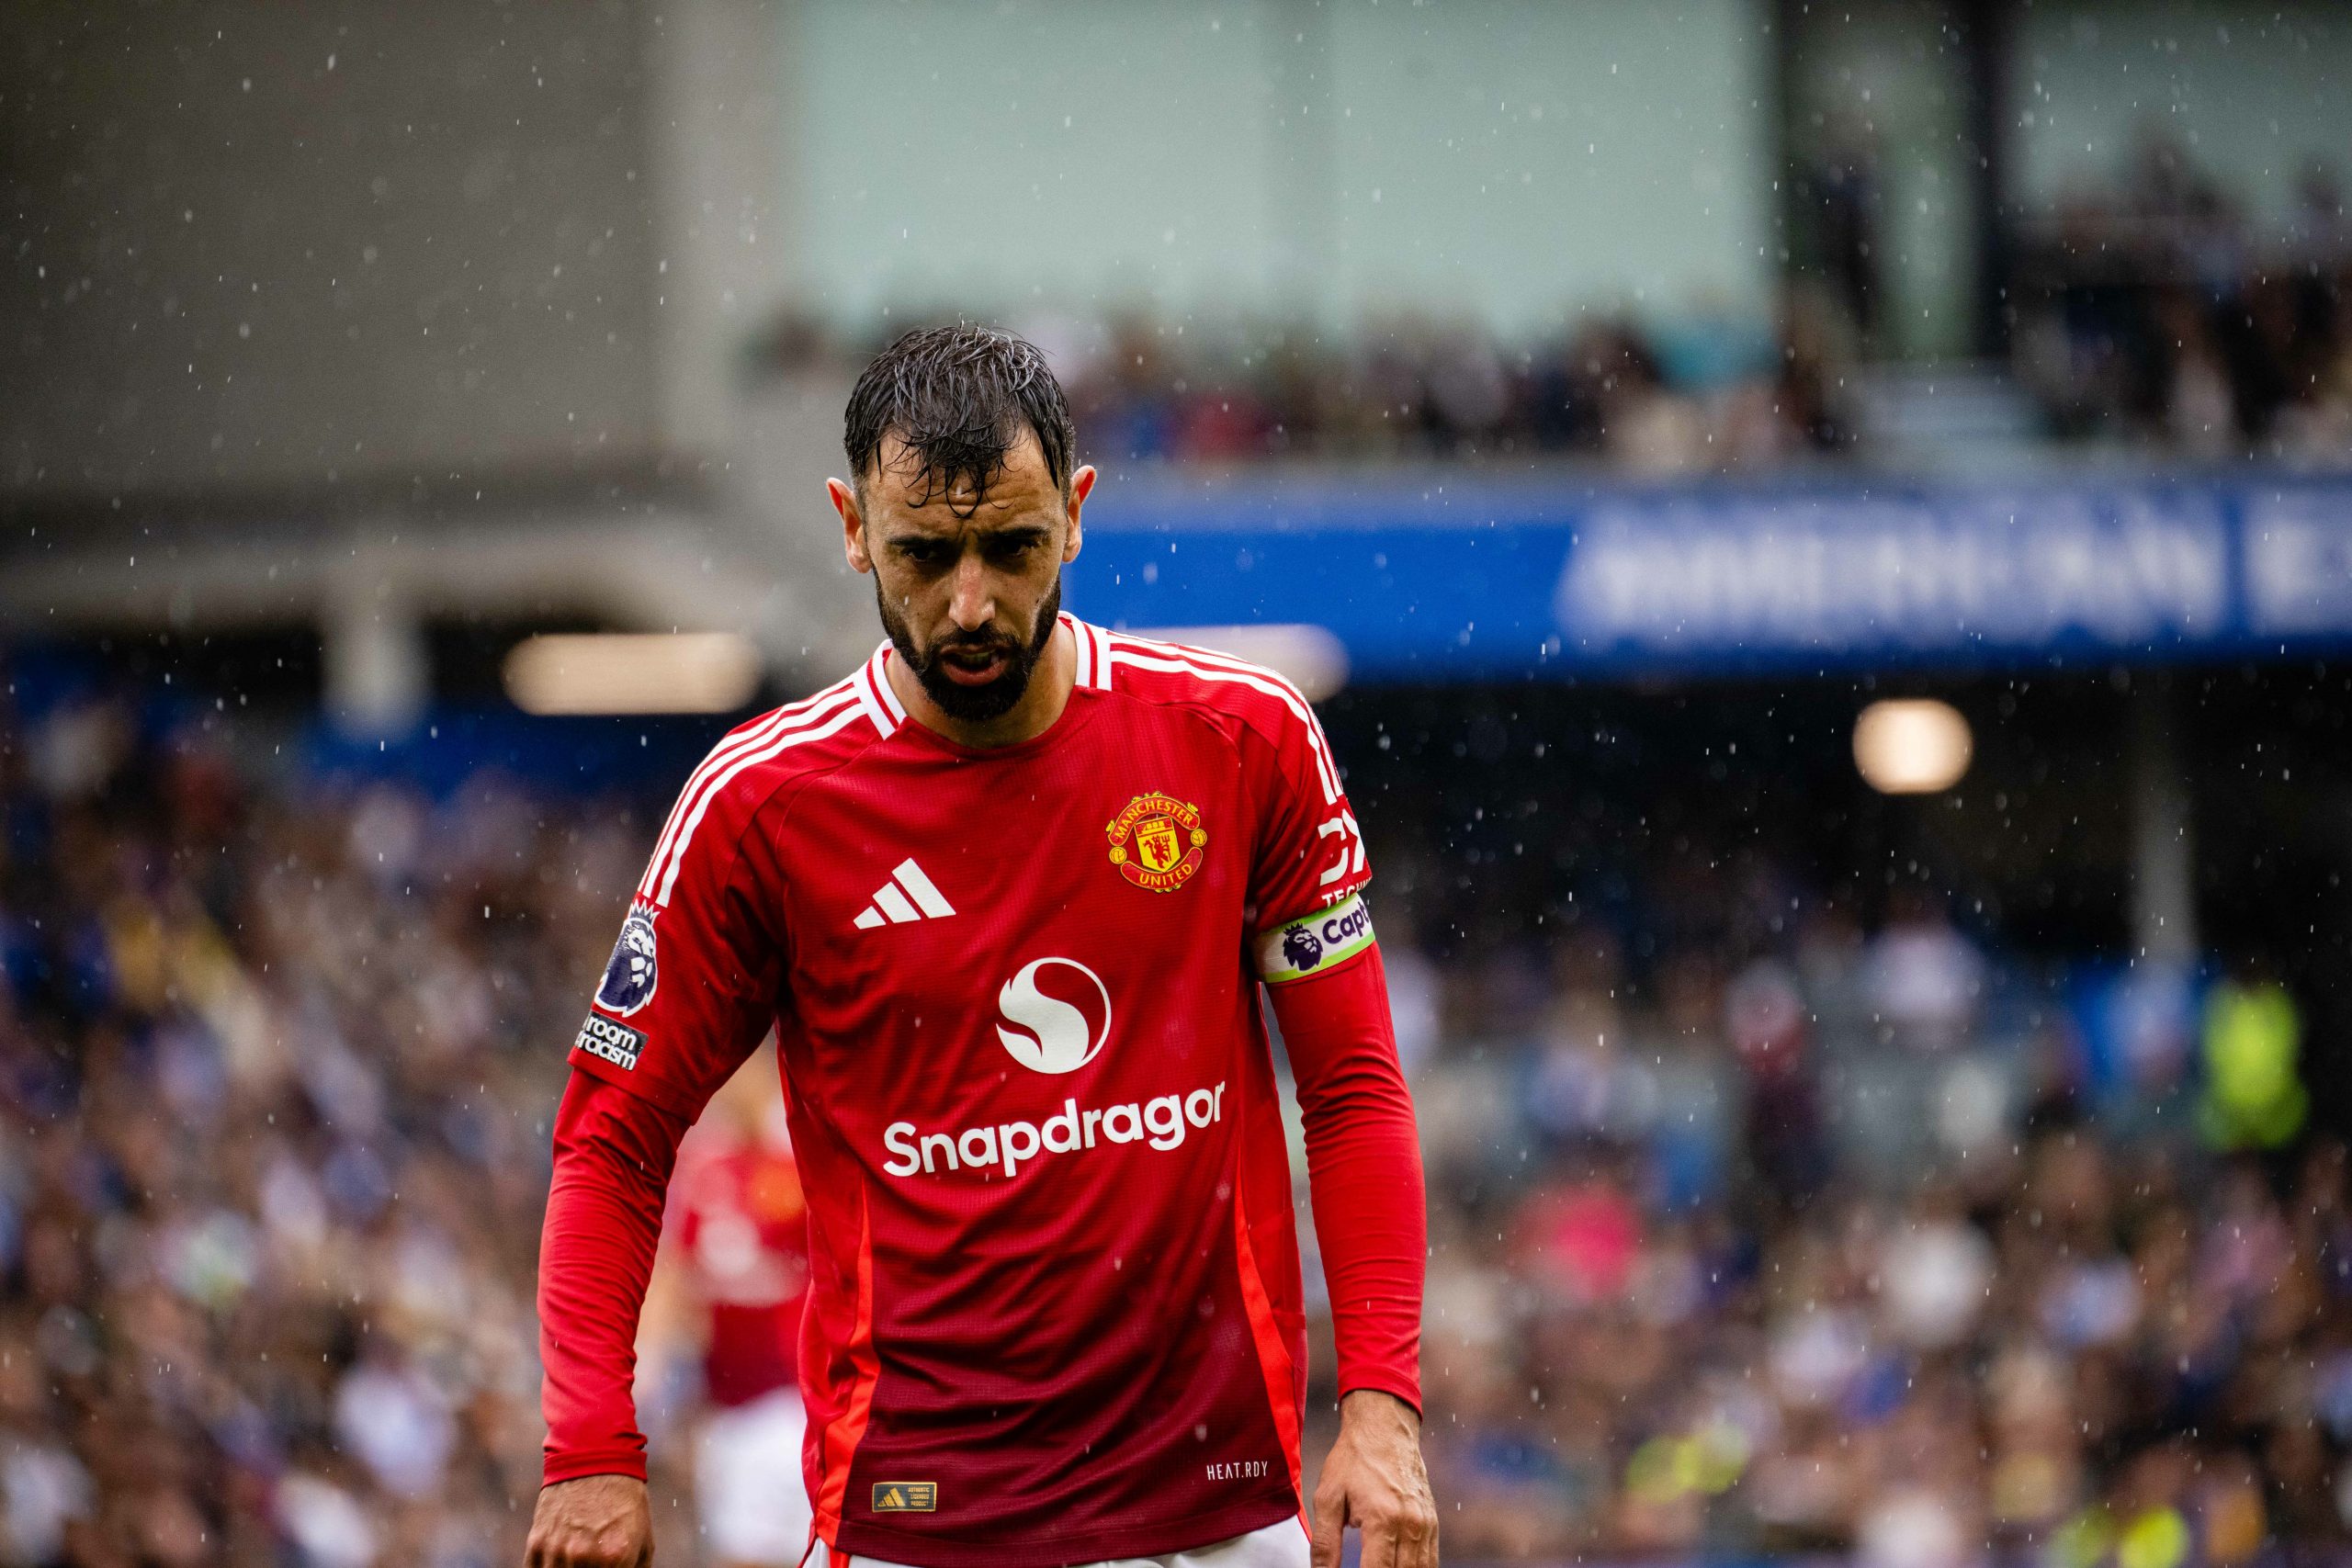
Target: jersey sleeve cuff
585, 1462
1407, 1389
1315, 942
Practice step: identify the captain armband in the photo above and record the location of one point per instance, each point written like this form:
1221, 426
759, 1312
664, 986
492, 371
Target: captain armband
1314, 943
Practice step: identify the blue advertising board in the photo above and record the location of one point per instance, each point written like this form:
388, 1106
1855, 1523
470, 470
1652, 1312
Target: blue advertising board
1433, 578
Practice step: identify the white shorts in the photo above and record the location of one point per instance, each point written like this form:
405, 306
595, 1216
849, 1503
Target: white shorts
1283, 1545
747, 1483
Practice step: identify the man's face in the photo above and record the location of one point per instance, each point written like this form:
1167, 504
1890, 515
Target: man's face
968, 584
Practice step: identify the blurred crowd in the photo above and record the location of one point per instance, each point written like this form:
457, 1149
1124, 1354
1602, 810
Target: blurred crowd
276, 1074
1868, 1244
2156, 312
1706, 393
1702, 392
1811, 1238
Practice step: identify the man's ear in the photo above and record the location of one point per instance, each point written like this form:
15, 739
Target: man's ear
1081, 484
845, 499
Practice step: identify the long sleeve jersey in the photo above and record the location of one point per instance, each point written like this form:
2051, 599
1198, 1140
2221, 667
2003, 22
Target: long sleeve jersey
1055, 1310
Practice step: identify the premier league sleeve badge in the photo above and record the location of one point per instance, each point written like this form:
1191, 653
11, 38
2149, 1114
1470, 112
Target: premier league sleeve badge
631, 972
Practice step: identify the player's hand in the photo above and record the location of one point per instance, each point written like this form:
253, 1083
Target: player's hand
597, 1521
1374, 1480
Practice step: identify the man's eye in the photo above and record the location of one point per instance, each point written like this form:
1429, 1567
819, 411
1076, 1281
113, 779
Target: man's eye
921, 552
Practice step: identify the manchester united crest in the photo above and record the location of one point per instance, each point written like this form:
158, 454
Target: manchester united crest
1156, 842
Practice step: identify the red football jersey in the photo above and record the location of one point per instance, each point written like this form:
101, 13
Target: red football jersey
1055, 1282
741, 1230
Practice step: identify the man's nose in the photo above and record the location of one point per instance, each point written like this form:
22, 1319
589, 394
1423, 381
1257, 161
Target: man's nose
973, 604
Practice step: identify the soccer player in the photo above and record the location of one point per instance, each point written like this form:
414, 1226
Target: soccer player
1007, 895
737, 1272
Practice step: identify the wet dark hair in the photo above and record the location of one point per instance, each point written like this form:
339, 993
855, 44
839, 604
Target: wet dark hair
959, 397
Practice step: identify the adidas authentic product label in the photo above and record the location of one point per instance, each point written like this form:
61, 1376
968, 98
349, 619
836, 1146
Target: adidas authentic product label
907, 896
616, 1043
905, 1496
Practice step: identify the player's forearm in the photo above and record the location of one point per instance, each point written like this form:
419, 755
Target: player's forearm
1363, 1167
613, 1157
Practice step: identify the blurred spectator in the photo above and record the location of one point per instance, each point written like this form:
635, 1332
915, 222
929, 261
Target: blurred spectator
2253, 1093
1841, 195
1926, 979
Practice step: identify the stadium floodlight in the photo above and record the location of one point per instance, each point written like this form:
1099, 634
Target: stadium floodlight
1309, 657
1912, 746
617, 672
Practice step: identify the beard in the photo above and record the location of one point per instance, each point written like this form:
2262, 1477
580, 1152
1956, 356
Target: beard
974, 704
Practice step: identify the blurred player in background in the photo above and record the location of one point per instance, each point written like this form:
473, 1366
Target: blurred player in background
1007, 895
729, 1283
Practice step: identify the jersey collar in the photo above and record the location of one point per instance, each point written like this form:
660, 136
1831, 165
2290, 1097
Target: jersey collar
874, 695
882, 706
1093, 653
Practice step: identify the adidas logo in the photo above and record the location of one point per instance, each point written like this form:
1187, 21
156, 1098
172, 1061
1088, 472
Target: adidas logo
892, 905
